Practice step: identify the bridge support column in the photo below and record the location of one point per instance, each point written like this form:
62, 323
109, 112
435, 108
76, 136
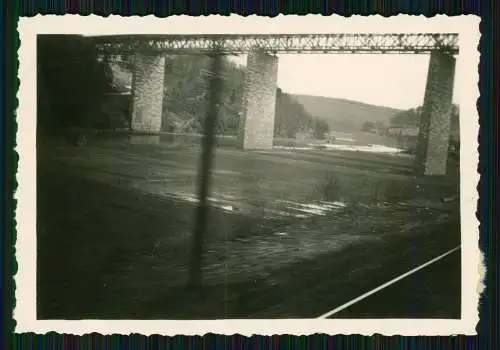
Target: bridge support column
434, 135
257, 124
147, 98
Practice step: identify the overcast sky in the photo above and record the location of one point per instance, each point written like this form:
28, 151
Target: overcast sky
396, 81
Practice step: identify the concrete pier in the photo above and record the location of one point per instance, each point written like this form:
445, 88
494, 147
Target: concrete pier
147, 97
434, 135
257, 124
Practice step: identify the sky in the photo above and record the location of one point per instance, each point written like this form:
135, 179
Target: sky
391, 80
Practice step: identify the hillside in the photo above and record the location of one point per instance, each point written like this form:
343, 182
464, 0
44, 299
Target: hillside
185, 93
345, 115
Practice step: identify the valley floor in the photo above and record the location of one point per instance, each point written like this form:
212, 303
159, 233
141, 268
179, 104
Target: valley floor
291, 233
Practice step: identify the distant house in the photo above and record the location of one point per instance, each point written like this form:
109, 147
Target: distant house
402, 130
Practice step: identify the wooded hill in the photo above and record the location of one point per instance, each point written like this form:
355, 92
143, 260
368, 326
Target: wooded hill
344, 115
185, 99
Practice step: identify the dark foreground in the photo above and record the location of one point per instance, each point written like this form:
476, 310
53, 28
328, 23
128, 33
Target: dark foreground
291, 234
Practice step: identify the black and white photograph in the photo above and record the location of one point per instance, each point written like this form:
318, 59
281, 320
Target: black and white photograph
290, 174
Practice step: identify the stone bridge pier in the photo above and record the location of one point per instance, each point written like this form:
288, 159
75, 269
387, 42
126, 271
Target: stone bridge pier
256, 129
147, 97
431, 155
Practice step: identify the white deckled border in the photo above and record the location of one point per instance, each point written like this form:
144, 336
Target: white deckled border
473, 268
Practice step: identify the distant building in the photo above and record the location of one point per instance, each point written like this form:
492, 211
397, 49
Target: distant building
402, 130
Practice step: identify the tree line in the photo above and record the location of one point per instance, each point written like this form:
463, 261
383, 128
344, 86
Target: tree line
412, 116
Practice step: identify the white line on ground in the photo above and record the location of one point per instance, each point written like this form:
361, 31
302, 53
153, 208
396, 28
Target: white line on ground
387, 284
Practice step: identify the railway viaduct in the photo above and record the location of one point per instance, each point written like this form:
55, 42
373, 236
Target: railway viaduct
256, 132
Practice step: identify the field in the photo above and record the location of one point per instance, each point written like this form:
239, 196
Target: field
292, 233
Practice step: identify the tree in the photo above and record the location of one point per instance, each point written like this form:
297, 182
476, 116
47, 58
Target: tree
73, 83
321, 129
291, 117
368, 126
411, 117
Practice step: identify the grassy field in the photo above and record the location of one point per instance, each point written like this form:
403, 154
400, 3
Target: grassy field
115, 220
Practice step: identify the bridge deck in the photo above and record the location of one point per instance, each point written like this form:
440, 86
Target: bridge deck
422, 43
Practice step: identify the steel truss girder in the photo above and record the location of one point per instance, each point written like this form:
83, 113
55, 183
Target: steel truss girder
278, 43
